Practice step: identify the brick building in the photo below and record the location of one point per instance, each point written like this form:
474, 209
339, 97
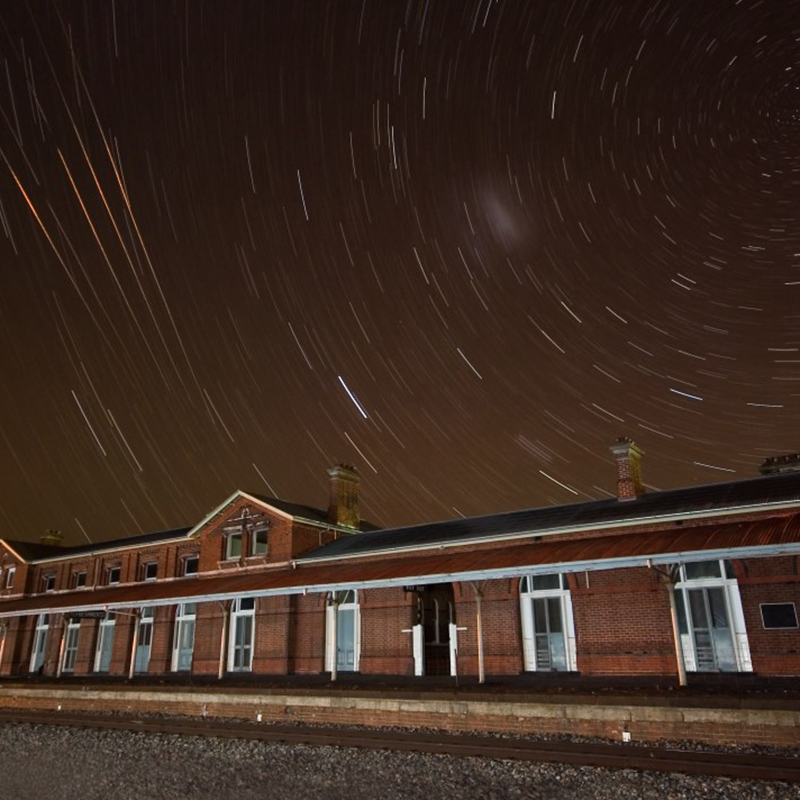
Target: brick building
693, 580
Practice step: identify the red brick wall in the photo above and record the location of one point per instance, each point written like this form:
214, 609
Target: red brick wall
501, 626
771, 580
622, 624
306, 634
385, 649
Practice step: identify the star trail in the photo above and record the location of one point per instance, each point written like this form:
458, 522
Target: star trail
461, 245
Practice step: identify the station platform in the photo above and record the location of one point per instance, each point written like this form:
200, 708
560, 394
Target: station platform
739, 712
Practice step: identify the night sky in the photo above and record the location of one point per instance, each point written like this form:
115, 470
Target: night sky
463, 245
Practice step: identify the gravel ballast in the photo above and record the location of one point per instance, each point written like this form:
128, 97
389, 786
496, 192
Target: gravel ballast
45, 762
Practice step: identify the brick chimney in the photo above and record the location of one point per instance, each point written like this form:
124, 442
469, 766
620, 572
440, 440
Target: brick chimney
778, 465
629, 469
343, 506
52, 538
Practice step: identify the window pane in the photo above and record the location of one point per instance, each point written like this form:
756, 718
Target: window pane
540, 614
191, 565
702, 569
554, 614
234, 545
779, 615
681, 609
543, 582
698, 607
259, 543
719, 614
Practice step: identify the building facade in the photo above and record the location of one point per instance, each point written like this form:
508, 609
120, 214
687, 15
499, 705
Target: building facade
672, 583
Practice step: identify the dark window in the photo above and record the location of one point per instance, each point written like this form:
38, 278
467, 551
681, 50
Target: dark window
779, 615
259, 545
151, 571
80, 580
12, 571
114, 574
545, 582
702, 569
191, 565
49, 583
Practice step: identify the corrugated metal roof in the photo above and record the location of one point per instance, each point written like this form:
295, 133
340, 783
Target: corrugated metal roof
691, 500
591, 553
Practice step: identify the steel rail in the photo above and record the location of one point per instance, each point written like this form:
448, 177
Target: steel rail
743, 766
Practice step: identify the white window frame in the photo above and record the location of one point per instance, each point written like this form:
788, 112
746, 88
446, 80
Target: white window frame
228, 539
526, 598
49, 582
183, 618
105, 636
76, 579
111, 570
240, 616
145, 568
254, 551
39, 646
353, 606
186, 560
71, 640
10, 574
146, 620
733, 604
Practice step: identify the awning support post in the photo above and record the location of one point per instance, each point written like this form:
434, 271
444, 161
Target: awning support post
222, 639
134, 645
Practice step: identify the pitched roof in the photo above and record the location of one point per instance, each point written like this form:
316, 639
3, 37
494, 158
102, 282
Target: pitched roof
715, 497
33, 551
306, 512
764, 537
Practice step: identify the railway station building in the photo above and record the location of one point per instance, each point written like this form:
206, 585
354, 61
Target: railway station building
674, 583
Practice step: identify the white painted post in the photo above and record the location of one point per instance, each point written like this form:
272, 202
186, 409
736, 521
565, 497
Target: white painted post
222, 641
676, 634
335, 638
134, 645
479, 630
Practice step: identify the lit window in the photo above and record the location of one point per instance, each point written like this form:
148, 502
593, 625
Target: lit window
151, 571
10, 577
233, 546
79, 579
191, 565
259, 545
114, 575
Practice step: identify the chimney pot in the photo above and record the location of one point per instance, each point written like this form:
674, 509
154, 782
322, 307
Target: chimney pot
629, 468
52, 537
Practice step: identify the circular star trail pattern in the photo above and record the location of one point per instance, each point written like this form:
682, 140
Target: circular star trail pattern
463, 246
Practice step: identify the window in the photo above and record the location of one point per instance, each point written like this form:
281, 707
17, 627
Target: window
39, 642
48, 583
777, 616
240, 650
71, 646
144, 642
150, 571
105, 643
548, 628
233, 546
79, 579
702, 569
10, 577
258, 545
542, 583
191, 565
183, 641
114, 575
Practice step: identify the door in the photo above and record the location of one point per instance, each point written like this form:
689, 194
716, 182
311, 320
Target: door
240, 657
39, 642
183, 645
105, 644
548, 633
144, 641
344, 632
71, 647
711, 630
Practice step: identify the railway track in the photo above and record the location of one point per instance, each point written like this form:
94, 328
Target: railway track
611, 756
